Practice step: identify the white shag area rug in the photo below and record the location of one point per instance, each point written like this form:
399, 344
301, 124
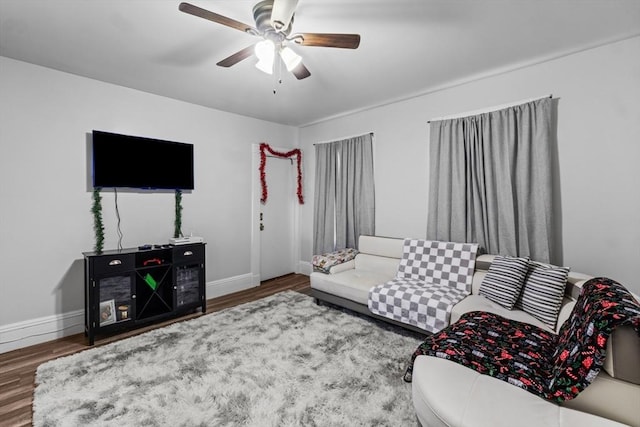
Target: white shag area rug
279, 361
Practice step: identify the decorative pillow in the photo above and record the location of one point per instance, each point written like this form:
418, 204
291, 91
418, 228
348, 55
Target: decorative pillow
324, 262
543, 292
504, 280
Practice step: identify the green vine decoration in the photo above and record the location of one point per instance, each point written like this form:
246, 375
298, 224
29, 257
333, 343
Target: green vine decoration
177, 232
98, 226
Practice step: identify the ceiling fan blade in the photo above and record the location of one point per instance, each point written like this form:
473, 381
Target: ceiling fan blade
203, 13
237, 57
345, 41
301, 72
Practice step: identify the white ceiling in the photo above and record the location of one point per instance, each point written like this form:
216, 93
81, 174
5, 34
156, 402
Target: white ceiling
408, 47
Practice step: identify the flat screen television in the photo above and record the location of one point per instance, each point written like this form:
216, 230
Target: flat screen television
124, 161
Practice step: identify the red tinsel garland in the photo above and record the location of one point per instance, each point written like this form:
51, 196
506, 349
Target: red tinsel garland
264, 147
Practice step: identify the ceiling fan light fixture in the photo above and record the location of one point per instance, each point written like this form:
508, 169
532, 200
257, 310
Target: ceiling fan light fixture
290, 58
265, 51
274, 19
282, 13
265, 66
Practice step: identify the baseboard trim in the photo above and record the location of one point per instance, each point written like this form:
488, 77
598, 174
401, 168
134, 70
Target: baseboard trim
305, 267
43, 329
221, 287
255, 280
36, 331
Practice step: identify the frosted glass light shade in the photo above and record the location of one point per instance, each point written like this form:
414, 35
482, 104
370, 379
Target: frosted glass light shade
265, 66
265, 51
290, 58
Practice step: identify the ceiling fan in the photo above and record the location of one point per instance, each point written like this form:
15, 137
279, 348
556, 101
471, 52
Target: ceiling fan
274, 19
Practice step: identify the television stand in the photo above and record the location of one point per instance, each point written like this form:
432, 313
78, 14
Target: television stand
130, 288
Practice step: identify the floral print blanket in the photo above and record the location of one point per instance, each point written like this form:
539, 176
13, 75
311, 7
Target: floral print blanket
324, 262
555, 367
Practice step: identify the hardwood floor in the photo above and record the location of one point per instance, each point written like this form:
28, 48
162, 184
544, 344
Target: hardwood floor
18, 367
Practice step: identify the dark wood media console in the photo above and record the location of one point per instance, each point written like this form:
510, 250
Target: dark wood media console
130, 288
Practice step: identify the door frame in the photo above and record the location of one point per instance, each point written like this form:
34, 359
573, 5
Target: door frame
256, 193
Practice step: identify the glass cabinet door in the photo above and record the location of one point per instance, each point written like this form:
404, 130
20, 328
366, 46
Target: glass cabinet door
187, 285
116, 300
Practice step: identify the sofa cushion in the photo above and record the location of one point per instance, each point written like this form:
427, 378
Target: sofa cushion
514, 352
353, 285
338, 268
504, 280
480, 303
447, 394
384, 266
389, 247
543, 291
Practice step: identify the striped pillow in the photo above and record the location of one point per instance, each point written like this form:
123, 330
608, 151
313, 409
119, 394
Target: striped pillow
504, 280
543, 292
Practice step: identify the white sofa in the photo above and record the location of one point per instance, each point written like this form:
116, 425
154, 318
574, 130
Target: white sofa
448, 394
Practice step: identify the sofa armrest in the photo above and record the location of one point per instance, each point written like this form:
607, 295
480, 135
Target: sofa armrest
349, 265
610, 398
446, 393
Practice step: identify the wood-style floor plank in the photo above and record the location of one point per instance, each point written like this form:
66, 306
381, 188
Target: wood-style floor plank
18, 367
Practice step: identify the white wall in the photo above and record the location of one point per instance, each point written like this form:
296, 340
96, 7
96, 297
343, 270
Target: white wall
598, 148
45, 218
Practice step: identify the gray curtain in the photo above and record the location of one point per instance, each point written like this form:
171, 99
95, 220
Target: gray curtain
491, 180
324, 199
344, 193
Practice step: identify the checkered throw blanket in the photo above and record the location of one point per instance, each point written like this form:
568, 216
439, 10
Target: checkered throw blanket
432, 277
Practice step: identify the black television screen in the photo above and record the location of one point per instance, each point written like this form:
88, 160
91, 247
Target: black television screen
136, 162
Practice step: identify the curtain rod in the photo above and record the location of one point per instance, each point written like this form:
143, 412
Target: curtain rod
488, 109
342, 139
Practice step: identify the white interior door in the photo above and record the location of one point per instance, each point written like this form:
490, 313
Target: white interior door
277, 220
